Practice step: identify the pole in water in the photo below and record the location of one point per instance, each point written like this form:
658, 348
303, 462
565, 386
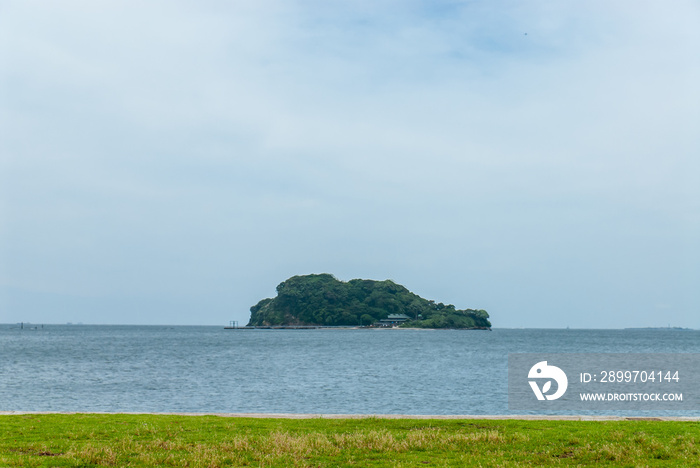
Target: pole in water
21, 325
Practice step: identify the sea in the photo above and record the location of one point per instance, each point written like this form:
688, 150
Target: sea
209, 369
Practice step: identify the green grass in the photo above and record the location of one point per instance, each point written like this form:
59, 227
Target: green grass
84, 440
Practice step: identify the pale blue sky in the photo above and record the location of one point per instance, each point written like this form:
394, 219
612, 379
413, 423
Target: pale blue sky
172, 162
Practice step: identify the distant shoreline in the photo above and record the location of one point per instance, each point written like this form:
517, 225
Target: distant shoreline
342, 327
40, 325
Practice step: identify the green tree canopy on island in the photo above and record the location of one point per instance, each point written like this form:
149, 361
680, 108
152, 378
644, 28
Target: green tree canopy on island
324, 300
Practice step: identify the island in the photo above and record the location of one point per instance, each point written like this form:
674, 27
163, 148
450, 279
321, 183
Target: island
323, 300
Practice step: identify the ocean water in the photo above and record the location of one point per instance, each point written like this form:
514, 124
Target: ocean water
213, 370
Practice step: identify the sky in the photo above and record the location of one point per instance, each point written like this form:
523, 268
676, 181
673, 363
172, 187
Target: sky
171, 162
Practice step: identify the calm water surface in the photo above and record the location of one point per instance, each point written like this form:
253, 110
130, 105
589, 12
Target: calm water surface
209, 369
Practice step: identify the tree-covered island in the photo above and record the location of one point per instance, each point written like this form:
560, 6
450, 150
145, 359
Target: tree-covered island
324, 300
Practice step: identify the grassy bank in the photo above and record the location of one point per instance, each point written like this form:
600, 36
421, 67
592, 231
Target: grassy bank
158, 440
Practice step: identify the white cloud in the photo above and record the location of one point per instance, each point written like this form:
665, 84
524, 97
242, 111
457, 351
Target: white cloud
434, 143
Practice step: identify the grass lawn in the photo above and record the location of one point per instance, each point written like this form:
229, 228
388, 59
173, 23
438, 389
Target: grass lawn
212, 441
